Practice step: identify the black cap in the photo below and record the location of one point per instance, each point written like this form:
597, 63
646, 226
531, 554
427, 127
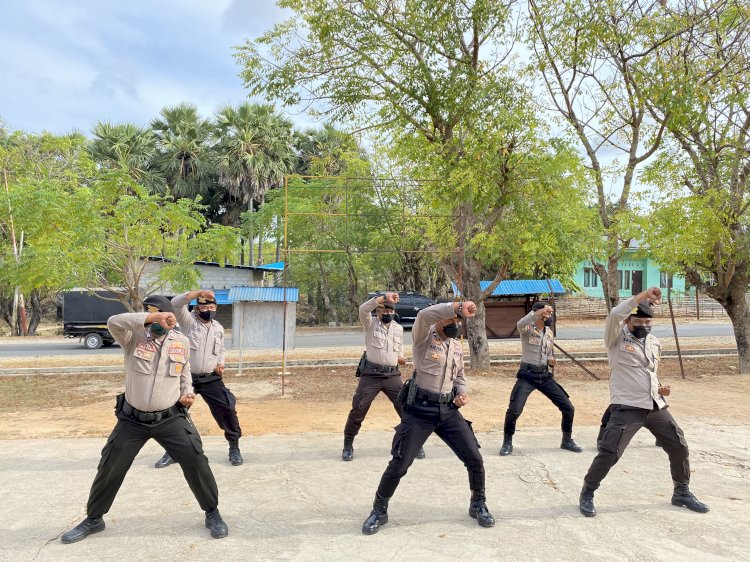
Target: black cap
644, 310
206, 300
157, 303
538, 306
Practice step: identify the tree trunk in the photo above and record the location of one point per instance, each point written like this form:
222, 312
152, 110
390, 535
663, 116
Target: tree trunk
475, 327
325, 294
353, 285
37, 312
736, 306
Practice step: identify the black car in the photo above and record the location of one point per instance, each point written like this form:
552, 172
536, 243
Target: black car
409, 304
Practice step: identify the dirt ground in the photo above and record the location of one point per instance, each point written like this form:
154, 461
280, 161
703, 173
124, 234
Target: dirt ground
318, 400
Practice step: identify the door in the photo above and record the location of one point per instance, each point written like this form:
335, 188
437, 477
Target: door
637, 285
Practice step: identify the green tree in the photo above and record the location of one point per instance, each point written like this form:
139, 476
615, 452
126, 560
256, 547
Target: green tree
699, 90
592, 57
434, 79
128, 147
43, 215
185, 156
254, 153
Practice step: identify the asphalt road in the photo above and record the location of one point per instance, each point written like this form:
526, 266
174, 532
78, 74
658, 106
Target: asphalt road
352, 338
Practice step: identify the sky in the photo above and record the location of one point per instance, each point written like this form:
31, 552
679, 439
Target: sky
67, 64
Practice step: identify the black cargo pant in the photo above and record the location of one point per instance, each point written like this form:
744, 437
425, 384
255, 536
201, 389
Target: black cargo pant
221, 402
624, 422
526, 384
180, 439
368, 388
420, 420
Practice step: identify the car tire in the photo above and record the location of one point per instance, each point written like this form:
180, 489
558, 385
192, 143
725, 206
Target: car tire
92, 341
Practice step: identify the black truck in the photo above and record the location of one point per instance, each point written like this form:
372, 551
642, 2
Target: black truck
85, 317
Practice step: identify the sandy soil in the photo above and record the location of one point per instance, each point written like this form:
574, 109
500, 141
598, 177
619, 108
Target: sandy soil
318, 400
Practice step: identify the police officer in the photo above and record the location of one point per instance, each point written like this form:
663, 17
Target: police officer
384, 352
207, 367
537, 346
637, 400
157, 393
439, 390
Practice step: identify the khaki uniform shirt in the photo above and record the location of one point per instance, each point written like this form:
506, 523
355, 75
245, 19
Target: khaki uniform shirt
384, 343
439, 363
632, 362
206, 339
156, 374
537, 346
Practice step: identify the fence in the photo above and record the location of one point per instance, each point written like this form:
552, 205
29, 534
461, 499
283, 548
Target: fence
684, 307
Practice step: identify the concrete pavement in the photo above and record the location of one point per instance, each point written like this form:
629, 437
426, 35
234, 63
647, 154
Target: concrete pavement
295, 500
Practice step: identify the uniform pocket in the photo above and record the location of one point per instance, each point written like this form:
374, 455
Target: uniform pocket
217, 345
230, 398
399, 439
473, 435
195, 439
680, 434
108, 447
176, 367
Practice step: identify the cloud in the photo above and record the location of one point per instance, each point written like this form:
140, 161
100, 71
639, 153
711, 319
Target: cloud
250, 17
68, 65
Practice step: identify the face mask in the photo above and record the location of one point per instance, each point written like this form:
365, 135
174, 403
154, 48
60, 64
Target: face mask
451, 330
548, 322
157, 330
207, 314
386, 318
641, 332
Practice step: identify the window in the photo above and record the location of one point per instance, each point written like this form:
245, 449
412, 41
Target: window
623, 279
665, 281
590, 278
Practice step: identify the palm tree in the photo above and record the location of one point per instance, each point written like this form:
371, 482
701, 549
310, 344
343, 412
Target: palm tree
254, 153
127, 146
184, 150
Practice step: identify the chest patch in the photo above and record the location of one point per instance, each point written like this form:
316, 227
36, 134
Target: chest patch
145, 350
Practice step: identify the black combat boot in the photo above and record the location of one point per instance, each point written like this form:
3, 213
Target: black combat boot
586, 501
568, 444
378, 515
235, 457
507, 447
87, 527
420, 453
478, 509
348, 453
166, 460
683, 497
215, 524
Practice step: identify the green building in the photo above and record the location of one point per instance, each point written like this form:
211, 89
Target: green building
635, 274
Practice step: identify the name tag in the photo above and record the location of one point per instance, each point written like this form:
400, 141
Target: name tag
145, 350
627, 347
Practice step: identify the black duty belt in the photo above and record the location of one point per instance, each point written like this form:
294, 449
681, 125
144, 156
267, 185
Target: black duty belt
374, 367
430, 396
203, 375
534, 368
149, 417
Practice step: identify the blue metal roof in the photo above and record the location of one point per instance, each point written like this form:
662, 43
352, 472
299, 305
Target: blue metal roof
520, 287
275, 266
221, 295
263, 294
